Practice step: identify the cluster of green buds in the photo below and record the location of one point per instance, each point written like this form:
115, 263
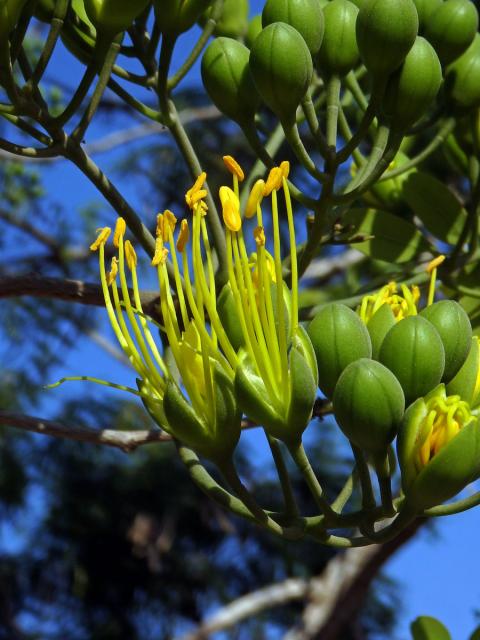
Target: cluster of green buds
389, 355
406, 46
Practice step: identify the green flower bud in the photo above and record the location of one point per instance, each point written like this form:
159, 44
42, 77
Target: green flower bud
451, 28
455, 330
368, 404
414, 86
413, 351
113, 16
425, 8
217, 439
427, 628
386, 31
339, 51
462, 79
282, 69
338, 337
177, 16
10, 11
233, 20
285, 421
254, 28
438, 449
305, 16
466, 383
227, 79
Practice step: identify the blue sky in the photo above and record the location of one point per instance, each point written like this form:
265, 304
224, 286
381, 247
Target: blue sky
438, 570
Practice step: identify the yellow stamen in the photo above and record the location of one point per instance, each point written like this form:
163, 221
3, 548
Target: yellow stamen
130, 255
120, 229
166, 221
274, 181
436, 262
197, 186
103, 235
285, 168
113, 271
432, 270
231, 209
255, 198
234, 168
159, 252
183, 236
259, 235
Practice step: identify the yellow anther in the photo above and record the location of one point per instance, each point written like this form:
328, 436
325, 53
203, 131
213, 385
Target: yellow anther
234, 168
285, 169
113, 271
130, 255
197, 186
103, 235
259, 235
274, 181
255, 198
166, 222
120, 229
436, 262
161, 253
201, 208
197, 196
231, 209
183, 236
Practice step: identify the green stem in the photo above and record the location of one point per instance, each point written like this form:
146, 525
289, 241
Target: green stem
293, 138
403, 519
317, 229
6, 75
198, 48
261, 517
454, 507
363, 127
172, 121
303, 463
355, 89
291, 507
79, 95
346, 132
368, 498
142, 108
439, 139
382, 469
56, 25
314, 125
333, 101
28, 128
345, 493
103, 78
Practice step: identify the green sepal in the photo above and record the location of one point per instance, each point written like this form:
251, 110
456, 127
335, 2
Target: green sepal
428, 628
449, 471
464, 384
154, 407
302, 342
303, 390
455, 330
253, 397
378, 326
369, 404
287, 308
338, 337
229, 317
214, 441
177, 16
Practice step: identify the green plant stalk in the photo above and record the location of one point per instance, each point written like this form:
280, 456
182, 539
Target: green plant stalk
346, 132
314, 125
199, 46
363, 127
293, 138
351, 82
316, 231
368, 498
21, 29
6, 77
140, 107
103, 77
438, 140
291, 507
454, 507
345, 493
60, 11
28, 128
333, 102
261, 517
173, 123
30, 152
303, 463
382, 469
78, 97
